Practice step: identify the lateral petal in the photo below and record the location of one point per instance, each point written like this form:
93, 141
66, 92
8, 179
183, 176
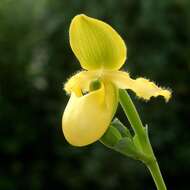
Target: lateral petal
142, 87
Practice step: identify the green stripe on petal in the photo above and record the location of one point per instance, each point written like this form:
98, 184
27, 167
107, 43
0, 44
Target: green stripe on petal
96, 44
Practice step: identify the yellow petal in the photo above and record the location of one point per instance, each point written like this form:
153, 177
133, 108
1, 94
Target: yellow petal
87, 117
80, 81
96, 44
142, 87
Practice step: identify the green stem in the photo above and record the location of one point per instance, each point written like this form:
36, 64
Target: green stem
156, 175
132, 116
142, 137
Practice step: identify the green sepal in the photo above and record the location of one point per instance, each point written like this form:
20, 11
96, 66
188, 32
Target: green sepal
118, 138
124, 131
111, 137
127, 147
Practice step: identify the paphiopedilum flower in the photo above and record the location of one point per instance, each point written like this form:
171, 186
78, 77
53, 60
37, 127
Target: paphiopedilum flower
94, 91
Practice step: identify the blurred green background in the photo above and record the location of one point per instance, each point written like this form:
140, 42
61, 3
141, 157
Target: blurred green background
35, 61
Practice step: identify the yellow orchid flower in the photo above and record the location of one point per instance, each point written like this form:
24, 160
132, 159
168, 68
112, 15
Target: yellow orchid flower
101, 53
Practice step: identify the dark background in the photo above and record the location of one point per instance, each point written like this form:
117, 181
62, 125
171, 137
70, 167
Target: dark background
35, 61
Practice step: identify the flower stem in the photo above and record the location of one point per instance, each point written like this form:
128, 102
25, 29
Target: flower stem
156, 175
141, 136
